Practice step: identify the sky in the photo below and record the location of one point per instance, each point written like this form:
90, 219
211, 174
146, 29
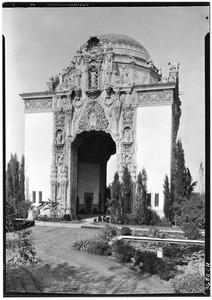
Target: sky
43, 41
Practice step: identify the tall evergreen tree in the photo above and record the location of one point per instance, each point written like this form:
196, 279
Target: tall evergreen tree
182, 185
15, 199
141, 206
167, 198
14, 164
9, 182
114, 204
127, 191
10, 201
22, 178
189, 184
202, 178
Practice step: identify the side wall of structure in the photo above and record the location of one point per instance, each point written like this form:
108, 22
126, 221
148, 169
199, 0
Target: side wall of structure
153, 139
88, 181
38, 154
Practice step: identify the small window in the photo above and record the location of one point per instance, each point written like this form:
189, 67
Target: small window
33, 196
156, 199
148, 199
40, 196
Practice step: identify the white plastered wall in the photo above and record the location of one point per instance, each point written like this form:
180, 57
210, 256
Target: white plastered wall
89, 174
153, 136
38, 153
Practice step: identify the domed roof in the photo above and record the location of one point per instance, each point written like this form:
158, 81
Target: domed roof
123, 42
120, 39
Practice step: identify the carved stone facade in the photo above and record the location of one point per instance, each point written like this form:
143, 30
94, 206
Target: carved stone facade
108, 79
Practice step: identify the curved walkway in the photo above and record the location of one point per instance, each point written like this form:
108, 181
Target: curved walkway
100, 275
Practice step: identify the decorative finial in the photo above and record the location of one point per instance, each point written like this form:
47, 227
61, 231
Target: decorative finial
51, 78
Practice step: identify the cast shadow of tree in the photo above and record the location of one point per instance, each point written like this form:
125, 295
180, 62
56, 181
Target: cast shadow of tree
66, 279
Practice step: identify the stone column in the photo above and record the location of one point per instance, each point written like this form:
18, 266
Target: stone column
103, 170
73, 180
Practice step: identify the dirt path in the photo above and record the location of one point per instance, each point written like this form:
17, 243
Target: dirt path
99, 275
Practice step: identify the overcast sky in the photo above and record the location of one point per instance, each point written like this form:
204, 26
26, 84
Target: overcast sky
43, 41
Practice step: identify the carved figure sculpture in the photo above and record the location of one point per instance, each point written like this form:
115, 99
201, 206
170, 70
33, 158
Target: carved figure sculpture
127, 135
59, 137
93, 79
93, 118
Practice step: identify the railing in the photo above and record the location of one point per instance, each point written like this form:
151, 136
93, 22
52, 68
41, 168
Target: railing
153, 239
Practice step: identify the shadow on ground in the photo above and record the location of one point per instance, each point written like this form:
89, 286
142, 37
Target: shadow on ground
64, 278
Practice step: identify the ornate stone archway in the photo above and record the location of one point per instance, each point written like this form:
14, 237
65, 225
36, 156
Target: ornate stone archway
109, 82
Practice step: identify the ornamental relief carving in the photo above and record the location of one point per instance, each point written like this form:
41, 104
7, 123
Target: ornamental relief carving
117, 106
60, 119
64, 102
141, 77
127, 157
93, 118
69, 82
155, 97
127, 52
93, 54
38, 104
122, 75
128, 114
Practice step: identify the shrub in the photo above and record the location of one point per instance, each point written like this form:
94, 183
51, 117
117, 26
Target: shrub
191, 231
99, 218
82, 245
99, 248
22, 250
193, 211
126, 231
123, 252
133, 220
22, 224
154, 232
67, 217
154, 219
108, 233
148, 262
108, 219
42, 218
123, 219
82, 211
164, 222
188, 283
54, 219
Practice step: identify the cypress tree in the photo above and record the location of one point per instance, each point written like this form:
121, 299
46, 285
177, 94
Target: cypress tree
14, 163
141, 205
127, 191
15, 177
9, 183
114, 204
9, 201
22, 178
202, 179
182, 185
167, 198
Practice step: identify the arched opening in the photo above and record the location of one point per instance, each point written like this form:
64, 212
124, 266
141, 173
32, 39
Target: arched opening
92, 150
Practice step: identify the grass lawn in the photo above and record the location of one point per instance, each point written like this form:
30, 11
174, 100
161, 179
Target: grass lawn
64, 270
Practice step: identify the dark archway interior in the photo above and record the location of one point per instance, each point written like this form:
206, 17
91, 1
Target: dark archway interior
94, 149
